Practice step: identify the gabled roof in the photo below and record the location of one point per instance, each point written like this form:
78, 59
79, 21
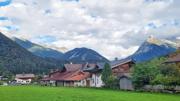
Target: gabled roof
78, 76
73, 72
73, 67
121, 62
174, 59
93, 67
21, 76
99, 66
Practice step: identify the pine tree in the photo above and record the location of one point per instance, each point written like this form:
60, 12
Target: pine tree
106, 74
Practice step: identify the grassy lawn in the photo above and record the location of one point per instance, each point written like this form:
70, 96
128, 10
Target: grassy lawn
33, 93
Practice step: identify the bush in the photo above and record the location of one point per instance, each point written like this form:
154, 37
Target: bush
1, 82
169, 75
113, 82
144, 73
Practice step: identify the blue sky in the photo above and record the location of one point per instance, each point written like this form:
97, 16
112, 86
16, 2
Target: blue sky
5, 2
114, 28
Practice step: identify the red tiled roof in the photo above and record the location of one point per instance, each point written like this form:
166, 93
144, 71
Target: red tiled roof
78, 76
73, 73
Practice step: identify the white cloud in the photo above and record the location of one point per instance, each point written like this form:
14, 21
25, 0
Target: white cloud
114, 28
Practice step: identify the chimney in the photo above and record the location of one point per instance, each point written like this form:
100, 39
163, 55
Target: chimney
116, 59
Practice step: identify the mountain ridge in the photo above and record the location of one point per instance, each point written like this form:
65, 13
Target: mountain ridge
17, 59
84, 55
153, 48
39, 50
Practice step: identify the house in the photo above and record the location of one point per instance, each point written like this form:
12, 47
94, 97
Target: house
71, 75
121, 67
24, 78
1, 78
122, 70
174, 59
95, 71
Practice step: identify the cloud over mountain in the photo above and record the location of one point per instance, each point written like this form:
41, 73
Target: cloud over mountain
114, 28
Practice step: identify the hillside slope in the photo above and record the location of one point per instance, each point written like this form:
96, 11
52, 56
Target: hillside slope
16, 59
84, 55
39, 50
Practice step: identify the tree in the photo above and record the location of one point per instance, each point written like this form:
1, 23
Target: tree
144, 73
106, 74
113, 82
169, 75
1, 69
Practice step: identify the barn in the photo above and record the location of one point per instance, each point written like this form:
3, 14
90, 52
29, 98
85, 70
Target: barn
122, 70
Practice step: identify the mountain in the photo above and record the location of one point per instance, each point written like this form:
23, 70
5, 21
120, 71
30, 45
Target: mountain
39, 50
153, 48
84, 55
17, 59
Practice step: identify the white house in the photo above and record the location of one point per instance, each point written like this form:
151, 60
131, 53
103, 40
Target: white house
24, 78
95, 71
96, 80
1, 77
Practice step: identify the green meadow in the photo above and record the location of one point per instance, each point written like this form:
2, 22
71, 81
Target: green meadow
35, 93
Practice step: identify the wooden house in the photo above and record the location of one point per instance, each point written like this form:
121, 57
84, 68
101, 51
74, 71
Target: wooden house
174, 59
122, 70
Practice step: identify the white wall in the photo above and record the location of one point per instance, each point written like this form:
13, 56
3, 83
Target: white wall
23, 81
96, 80
81, 83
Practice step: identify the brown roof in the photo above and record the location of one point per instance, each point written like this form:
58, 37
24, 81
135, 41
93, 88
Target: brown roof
73, 73
68, 76
78, 76
174, 59
21, 76
73, 67
115, 64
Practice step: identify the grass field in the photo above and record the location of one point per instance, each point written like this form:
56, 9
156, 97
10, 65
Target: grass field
33, 93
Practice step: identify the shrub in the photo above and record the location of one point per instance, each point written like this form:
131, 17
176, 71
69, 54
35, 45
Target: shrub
113, 82
144, 73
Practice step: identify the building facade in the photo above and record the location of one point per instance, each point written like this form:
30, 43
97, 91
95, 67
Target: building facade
24, 78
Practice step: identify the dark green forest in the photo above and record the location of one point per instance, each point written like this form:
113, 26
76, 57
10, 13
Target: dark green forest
15, 59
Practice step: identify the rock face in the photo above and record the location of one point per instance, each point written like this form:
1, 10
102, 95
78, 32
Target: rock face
17, 59
153, 48
84, 55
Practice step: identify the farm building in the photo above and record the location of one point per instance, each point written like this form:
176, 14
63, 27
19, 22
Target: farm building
24, 78
71, 75
90, 75
174, 59
122, 70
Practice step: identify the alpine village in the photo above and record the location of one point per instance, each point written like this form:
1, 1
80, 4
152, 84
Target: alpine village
154, 67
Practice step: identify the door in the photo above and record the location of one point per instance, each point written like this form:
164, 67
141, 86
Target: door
126, 84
